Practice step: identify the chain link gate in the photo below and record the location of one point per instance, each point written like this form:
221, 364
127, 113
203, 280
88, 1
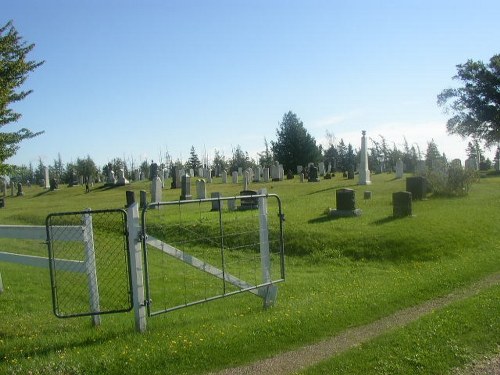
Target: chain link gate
200, 250
89, 263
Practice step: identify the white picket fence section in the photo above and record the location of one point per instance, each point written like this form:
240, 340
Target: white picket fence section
81, 233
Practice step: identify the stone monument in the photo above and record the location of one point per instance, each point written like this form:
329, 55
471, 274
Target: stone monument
364, 173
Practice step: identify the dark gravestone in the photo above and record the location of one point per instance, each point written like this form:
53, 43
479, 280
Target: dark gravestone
249, 203
20, 189
153, 171
345, 199
216, 204
313, 174
417, 186
346, 204
53, 184
289, 175
350, 174
186, 188
401, 204
173, 185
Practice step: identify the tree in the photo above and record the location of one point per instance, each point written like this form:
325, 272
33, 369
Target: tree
266, 157
432, 155
219, 161
294, 146
193, 161
14, 69
86, 168
475, 105
240, 159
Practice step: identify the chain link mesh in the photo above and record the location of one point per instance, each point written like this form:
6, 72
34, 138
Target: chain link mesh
90, 268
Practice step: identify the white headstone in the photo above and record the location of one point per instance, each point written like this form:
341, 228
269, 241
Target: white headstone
156, 191
364, 173
265, 174
224, 177
121, 178
235, 177
321, 168
201, 189
47, 181
399, 169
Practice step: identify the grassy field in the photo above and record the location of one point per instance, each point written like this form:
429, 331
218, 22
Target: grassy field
340, 273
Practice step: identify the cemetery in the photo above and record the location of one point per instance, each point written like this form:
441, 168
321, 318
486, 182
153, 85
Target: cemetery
354, 254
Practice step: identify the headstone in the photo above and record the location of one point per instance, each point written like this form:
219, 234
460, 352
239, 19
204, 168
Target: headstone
401, 204
417, 186
265, 174
302, 177
20, 191
346, 204
53, 184
313, 174
364, 172
456, 163
121, 181
217, 205
321, 168
186, 188
471, 163
246, 178
201, 189
200, 172
47, 181
111, 180
299, 169
250, 202
235, 177
281, 172
289, 175
275, 172
240, 171
350, 174
153, 171
224, 177
231, 204
257, 174
156, 192
399, 169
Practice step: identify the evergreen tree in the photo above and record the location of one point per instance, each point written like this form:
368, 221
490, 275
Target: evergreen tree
14, 70
193, 161
294, 146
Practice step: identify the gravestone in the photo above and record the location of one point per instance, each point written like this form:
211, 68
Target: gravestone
281, 172
47, 181
364, 172
346, 204
302, 177
186, 188
231, 204
417, 186
111, 180
246, 178
313, 174
217, 205
401, 204
53, 184
258, 174
299, 169
156, 192
399, 169
471, 163
235, 177
350, 174
289, 175
240, 171
275, 172
20, 191
249, 203
265, 174
201, 189
224, 177
153, 171
121, 181
321, 168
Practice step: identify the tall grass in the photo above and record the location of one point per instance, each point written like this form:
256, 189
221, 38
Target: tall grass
340, 273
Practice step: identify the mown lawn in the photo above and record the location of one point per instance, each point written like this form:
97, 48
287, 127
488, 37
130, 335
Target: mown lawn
339, 273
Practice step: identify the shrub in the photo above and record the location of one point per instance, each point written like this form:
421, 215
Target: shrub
455, 181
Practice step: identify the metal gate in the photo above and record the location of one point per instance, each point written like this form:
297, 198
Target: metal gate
89, 262
200, 250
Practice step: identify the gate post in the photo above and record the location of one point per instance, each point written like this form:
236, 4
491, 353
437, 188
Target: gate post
268, 292
136, 265
90, 268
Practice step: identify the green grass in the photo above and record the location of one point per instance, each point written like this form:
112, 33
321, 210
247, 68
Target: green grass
340, 273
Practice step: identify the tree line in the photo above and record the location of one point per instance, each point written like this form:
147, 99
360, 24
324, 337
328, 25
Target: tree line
474, 107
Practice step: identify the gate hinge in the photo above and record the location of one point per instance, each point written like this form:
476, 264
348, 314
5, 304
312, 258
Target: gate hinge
147, 302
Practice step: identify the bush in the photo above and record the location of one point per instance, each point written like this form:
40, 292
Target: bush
455, 181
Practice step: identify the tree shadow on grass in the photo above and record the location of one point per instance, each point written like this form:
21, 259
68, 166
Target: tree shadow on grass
388, 219
332, 188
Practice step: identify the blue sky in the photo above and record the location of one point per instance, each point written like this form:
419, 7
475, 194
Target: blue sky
137, 79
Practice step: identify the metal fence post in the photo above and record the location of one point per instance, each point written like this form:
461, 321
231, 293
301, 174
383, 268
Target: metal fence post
90, 268
268, 292
136, 265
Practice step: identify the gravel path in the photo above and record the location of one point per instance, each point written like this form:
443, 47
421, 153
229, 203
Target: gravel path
299, 359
